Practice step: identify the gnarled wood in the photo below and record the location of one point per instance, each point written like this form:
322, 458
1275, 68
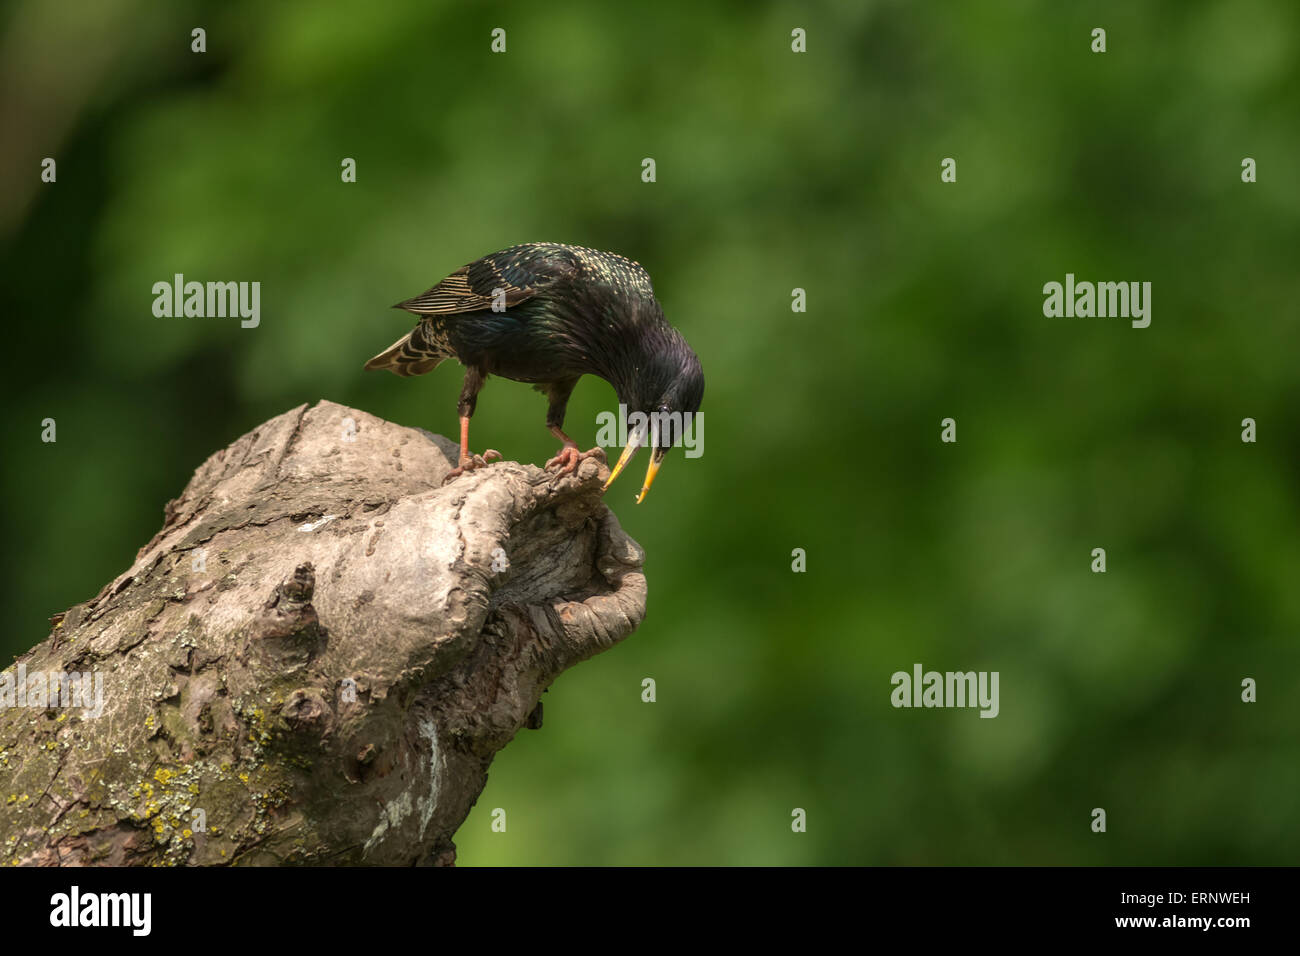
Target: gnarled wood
316, 658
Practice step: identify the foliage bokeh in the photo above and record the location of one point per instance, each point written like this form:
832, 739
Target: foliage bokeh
775, 170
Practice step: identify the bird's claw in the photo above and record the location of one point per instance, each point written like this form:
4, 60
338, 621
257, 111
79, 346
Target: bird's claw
472, 463
569, 458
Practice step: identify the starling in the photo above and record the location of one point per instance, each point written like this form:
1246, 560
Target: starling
546, 313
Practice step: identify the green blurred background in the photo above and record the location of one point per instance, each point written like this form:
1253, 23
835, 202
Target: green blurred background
776, 170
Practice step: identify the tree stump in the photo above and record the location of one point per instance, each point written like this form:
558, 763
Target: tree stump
317, 657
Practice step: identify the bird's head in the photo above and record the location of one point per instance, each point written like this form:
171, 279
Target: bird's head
666, 391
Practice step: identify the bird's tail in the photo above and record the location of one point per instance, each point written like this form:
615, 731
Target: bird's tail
412, 354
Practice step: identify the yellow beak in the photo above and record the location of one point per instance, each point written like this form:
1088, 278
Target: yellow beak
629, 451
650, 473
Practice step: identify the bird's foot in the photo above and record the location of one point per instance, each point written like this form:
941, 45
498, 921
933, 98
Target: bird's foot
569, 458
470, 463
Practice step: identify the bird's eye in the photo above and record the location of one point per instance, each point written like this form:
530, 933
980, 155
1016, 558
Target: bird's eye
667, 425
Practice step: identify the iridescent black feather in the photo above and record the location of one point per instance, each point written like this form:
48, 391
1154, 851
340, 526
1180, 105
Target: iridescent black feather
547, 313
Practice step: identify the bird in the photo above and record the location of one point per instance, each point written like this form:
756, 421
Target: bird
547, 313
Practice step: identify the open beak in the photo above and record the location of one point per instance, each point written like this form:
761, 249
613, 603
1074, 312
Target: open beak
656, 456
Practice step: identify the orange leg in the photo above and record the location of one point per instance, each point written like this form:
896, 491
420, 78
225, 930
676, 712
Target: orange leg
469, 462
569, 456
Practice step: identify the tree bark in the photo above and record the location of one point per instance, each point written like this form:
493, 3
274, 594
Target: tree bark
317, 657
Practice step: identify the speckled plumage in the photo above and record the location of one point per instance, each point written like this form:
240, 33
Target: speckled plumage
561, 312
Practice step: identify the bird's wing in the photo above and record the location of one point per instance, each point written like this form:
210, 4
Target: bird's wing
519, 273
